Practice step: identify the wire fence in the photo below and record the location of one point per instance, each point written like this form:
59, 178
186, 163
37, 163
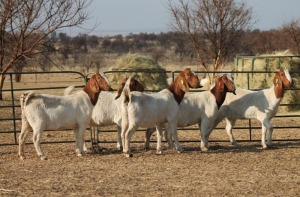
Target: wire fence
56, 82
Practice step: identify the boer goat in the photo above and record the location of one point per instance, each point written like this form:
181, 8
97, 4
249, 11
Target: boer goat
148, 110
44, 111
261, 105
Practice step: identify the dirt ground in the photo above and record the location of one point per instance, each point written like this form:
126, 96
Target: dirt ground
222, 171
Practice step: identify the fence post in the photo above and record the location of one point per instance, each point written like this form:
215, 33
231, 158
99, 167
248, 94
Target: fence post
243, 62
13, 107
236, 65
252, 65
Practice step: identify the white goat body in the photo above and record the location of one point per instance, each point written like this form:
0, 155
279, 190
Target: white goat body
108, 109
108, 112
44, 111
50, 110
148, 110
157, 108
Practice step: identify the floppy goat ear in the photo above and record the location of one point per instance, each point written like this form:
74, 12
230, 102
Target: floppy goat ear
121, 87
184, 86
219, 82
120, 91
277, 81
93, 85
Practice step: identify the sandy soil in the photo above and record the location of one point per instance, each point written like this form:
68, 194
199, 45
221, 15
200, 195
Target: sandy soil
222, 171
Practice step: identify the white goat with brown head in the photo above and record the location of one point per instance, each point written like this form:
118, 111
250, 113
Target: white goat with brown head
148, 110
261, 105
52, 112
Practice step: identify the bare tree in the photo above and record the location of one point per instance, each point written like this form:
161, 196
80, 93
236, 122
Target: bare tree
157, 53
292, 30
26, 25
212, 27
93, 60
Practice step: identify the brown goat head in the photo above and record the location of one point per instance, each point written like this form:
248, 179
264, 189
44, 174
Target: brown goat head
225, 83
134, 85
97, 83
282, 77
281, 80
191, 78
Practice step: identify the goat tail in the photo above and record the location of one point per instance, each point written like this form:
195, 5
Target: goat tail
126, 91
68, 90
25, 97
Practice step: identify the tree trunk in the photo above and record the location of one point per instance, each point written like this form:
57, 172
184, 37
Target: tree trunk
18, 77
2, 78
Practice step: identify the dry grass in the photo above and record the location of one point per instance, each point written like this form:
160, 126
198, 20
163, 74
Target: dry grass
151, 79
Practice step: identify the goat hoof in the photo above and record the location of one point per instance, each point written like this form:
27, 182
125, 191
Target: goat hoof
159, 152
204, 149
22, 157
128, 155
79, 155
44, 158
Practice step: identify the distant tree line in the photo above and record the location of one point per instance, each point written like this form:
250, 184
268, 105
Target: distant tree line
253, 42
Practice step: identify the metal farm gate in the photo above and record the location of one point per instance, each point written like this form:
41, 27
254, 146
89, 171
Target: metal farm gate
43, 82
10, 108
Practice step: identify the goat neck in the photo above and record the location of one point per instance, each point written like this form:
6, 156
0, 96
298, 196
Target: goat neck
92, 95
179, 87
177, 92
220, 95
219, 91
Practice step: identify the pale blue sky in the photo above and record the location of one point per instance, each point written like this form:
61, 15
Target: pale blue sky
135, 16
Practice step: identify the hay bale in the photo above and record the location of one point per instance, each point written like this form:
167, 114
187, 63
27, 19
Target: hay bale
150, 73
264, 62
